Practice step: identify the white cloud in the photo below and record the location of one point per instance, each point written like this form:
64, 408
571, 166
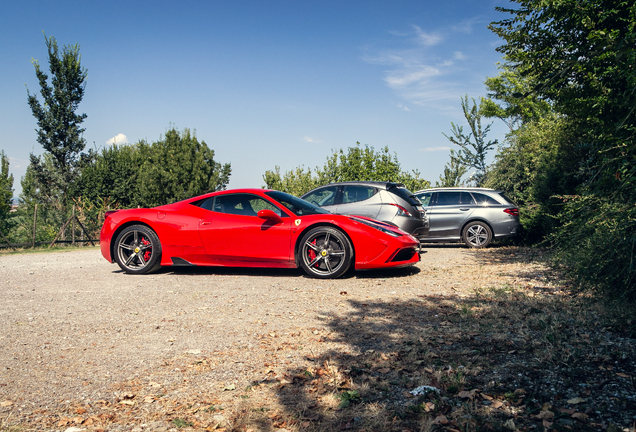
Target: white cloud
434, 149
427, 39
408, 76
466, 26
458, 55
311, 140
118, 139
422, 70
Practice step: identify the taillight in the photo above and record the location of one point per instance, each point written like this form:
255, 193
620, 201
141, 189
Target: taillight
512, 211
401, 210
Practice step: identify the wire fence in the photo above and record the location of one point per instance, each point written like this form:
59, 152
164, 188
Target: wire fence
34, 224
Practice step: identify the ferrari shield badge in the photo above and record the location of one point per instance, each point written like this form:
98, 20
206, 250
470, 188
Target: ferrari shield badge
297, 222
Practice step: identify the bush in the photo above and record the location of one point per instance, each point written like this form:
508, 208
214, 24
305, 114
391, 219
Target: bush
596, 244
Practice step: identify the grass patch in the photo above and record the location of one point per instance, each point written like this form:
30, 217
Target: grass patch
46, 249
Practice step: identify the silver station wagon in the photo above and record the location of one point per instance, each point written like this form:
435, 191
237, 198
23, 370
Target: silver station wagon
472, 215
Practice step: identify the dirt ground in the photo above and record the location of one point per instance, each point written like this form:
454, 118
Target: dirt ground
77, 332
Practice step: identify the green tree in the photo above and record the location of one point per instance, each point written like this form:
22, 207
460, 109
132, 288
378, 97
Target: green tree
357, 163
511, 100
454, 170
540, 161
6, 193
178, 167
59, 130
112, 174
473, 147
295, 182
580, 56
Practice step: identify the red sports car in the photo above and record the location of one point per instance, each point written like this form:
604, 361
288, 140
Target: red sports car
252, 228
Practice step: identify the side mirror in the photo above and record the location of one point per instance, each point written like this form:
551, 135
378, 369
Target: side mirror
269, 215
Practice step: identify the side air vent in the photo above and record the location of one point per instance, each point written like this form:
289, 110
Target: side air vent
180, 262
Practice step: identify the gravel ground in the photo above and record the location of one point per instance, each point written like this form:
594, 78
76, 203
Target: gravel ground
75, 328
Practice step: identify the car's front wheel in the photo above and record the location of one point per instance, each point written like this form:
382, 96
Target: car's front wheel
325, 252
477, 235
138, 250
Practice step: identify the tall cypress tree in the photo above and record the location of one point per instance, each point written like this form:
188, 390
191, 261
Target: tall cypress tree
59, 130
6, 191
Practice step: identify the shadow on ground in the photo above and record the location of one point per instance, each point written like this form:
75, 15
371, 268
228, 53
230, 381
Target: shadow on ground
528, 358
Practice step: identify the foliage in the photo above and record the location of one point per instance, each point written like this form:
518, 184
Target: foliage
473, 147
356, 164
6, 193
112, 173
178, 167
580, 57
598, 244
540, 160
59, 130
508, 89
296, 182
454, 170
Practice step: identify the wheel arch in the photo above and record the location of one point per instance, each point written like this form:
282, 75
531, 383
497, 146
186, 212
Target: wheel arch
123, 227
316, 225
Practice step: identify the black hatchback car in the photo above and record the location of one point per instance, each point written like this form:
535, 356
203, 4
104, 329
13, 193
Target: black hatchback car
385, 201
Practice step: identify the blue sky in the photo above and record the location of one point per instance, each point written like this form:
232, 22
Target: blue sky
263, 83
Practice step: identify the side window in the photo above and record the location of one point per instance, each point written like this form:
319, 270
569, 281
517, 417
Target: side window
206, 203
448, 198
242, 204
351, 194
483, 199
322, 197
425, 198
466, 198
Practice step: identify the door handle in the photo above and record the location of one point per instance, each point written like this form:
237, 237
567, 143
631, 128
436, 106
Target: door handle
464, 209
206, 223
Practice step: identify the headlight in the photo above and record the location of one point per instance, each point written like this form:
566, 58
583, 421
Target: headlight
377, 226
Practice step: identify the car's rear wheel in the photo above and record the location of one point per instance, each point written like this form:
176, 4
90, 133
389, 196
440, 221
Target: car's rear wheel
477, 235
325, 252
138, 250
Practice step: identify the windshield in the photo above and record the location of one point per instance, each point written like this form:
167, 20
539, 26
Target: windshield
296, 205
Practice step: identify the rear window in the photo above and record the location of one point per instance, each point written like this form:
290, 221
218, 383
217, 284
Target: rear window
483, 199
507, 200
405, 194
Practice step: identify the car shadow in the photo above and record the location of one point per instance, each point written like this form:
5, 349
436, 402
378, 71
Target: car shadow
442, 246
275, 272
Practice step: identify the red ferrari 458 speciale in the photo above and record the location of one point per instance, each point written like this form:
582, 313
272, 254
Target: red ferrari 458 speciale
252, 228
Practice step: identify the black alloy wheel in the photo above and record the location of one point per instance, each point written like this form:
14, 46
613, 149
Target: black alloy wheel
325, 252
138, 250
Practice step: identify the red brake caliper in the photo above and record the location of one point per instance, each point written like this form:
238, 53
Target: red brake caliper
312, 254
148, 251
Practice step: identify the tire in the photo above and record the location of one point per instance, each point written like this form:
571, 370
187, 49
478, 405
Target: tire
477, 235
138, 250
325, 253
